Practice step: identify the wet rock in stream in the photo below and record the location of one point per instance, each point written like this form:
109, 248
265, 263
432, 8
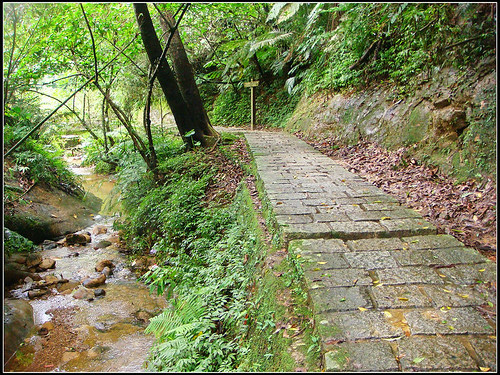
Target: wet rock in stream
103, 264
84, 293
102, 244
33, 259
103, 326
77, 238
46, 264
48, 245
99, 229
37, 293
99, 292
15, 272
107, 271
92, 283
18, 322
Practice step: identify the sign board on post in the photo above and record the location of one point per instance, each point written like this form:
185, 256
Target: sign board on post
252, 85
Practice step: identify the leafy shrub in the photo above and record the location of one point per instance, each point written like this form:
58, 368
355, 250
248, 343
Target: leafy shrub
232, 108
15, 243
36, 159
201, 331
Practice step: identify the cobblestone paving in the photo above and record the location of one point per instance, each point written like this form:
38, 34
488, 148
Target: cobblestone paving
388, 293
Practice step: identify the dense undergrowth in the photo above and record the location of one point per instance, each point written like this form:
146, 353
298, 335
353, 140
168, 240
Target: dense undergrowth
37, 160
209, 264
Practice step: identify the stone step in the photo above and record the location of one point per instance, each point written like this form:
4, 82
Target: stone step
388, 293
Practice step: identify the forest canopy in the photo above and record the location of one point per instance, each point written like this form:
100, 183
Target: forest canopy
94, 52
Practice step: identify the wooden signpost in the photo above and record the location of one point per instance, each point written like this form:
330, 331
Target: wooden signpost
252, 85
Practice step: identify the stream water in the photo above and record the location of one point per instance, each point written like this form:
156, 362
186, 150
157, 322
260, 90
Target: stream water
105, 334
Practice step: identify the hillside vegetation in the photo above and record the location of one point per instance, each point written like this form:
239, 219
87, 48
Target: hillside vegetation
407, 76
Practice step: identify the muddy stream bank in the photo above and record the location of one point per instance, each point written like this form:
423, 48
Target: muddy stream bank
89, 310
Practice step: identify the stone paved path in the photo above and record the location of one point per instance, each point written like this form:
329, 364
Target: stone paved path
388, 293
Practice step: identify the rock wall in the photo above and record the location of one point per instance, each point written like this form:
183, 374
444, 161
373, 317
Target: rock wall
430, 118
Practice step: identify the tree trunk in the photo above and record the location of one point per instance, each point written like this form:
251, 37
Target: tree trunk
185, 79
185, 119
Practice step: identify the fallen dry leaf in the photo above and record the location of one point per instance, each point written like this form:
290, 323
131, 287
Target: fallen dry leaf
464, 210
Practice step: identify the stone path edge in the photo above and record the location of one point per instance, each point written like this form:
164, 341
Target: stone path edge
379, 273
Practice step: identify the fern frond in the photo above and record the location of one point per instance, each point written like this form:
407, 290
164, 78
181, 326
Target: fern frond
313, 16
269, 39
275, 11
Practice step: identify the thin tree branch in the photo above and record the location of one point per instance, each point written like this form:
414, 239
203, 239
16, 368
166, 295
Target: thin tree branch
37, 126
71, 110
128, 57
466, 41
139, 144
10, 68
93, 42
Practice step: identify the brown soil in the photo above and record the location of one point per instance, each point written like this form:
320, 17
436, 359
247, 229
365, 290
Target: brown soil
54, 344
466, 211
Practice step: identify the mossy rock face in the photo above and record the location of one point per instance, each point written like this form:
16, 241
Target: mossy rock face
29, 226
449, 107
51, 213
18, 322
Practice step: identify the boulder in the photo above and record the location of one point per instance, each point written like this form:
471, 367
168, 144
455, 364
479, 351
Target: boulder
37, 293
100, 229
107, 271
68, 287
14, 273
84, 293
77, 238
114, 238
51, 279
103, 264
47, 263
99, 292
33, 260
18, 258
102, 244
18, 322
49, 245
92, 283
87, 236
143, 263
52, 213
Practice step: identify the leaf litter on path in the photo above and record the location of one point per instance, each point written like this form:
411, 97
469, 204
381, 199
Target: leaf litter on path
467, 210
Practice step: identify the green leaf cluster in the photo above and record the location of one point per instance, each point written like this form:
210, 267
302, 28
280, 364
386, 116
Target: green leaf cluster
15, 243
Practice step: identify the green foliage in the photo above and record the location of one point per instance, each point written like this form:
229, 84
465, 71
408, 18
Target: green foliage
39, 163
15, 243
201, 331
275, 104
363, 42
232, 108
37, 159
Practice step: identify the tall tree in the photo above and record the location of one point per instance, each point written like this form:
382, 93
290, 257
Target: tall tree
184, 74
186, 120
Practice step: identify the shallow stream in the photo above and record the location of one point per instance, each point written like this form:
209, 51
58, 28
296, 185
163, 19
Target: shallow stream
105, 334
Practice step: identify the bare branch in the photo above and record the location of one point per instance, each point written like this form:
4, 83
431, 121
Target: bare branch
71, 110
93, 42
37, 126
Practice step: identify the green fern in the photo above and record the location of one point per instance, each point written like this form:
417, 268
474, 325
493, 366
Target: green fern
185, 317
